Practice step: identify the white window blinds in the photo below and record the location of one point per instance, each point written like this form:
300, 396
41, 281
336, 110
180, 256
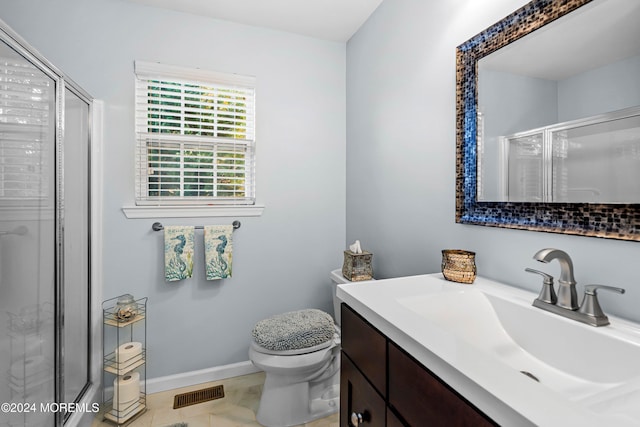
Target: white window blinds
27, 120
196, 136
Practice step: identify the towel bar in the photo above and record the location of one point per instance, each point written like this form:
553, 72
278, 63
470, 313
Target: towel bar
157, 226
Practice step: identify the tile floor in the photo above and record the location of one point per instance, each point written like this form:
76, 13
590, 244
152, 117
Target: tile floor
237, 409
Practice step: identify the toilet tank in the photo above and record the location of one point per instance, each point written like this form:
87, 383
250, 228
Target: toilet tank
336, 279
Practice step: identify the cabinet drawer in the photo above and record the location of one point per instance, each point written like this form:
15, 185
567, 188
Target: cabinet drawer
357, 395
423, 399
366, 347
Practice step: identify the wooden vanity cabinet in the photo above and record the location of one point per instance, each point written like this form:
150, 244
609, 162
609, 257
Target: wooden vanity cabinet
357, 395
366, 347
363, 371
392, 420
423, 399
387, 387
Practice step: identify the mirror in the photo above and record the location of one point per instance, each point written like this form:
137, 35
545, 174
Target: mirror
556, 113
548, 120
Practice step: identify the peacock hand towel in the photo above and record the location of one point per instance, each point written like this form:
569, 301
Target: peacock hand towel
218, 251
178, 252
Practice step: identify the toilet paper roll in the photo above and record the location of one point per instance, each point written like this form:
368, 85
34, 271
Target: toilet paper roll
126, 390
127, 352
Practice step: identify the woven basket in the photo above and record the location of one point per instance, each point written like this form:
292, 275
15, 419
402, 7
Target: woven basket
458, 265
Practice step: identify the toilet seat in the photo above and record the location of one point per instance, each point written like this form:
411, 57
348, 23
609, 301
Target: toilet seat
294, 352
293, 365
294, 330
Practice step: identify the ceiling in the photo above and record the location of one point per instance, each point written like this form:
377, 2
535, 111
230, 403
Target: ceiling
596, 34
335, 20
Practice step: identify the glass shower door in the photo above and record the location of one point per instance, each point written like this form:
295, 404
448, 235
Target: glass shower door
45, 230
76, 247
27, 238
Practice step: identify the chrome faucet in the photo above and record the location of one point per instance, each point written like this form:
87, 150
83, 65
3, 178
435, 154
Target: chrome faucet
566, 302
567, 294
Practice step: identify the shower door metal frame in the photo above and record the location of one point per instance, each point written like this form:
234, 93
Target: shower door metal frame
13, 40
547, 155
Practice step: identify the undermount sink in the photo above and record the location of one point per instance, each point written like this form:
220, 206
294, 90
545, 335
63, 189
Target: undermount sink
545, 367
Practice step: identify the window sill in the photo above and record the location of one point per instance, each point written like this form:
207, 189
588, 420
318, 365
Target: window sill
137, 212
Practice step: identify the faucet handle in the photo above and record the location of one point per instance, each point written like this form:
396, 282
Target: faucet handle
592, 289
547, 293
590, 305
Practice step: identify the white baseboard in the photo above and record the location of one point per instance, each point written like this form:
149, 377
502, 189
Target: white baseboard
155, 385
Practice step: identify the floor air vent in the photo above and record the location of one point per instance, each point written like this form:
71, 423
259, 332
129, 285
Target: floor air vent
198, 396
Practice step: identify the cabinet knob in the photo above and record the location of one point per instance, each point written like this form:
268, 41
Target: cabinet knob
356, 419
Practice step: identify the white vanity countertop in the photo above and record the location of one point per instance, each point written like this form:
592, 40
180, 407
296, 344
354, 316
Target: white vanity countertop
501, 392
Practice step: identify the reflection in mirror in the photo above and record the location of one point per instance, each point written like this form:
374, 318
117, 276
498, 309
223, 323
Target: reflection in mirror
528, 114
556, 121
595, 160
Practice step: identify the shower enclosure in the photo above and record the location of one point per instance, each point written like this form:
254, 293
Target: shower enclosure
45, 230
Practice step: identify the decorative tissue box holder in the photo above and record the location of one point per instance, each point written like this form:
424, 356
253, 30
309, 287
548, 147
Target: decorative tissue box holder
357, 267
458, 265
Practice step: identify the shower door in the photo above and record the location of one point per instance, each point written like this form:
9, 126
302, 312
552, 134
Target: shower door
75, 343
27, 237
44, 238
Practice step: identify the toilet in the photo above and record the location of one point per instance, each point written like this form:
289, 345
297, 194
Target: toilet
299, 352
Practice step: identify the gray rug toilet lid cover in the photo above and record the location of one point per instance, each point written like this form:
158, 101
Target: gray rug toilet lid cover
294, 330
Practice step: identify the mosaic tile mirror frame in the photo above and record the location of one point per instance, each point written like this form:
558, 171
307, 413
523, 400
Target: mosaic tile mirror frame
615, 221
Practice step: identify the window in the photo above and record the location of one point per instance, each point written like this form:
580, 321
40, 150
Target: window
195, 137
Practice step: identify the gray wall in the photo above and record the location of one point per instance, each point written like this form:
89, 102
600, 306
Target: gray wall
511, 103
611, 87
401, 157
281, 260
